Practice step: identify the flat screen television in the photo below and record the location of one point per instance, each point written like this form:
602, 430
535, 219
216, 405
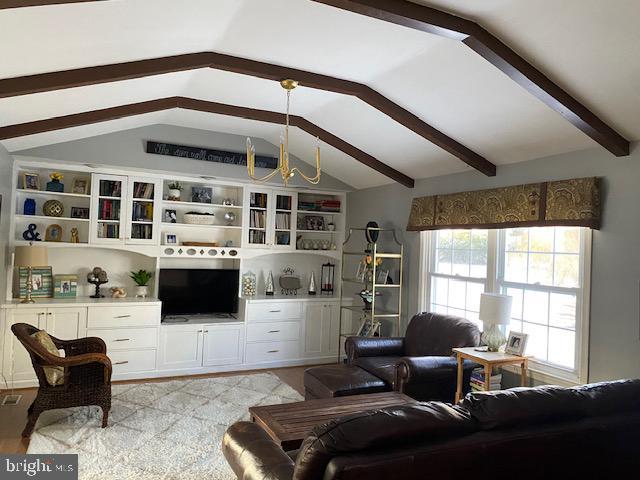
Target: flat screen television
193, 292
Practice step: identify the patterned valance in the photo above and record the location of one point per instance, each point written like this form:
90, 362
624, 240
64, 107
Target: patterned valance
573, 202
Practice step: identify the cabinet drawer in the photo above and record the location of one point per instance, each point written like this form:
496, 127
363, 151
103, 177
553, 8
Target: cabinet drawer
273, 331
133, 361
124, 316
272, 351
274, 311
127, 338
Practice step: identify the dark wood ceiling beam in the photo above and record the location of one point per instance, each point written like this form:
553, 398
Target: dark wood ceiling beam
4, 4
137, 69
488, 46
106, 114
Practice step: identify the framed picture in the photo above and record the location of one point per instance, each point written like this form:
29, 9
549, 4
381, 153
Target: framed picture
65, 286
41, 282
79, 212
314, 222
516, 343
170, 216
170, 238
53, 233
383, 275
30, 181
80, 185
201, 194
361, 271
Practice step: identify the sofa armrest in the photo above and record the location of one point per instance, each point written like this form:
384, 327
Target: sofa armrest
411, 370
253, 455
373, 347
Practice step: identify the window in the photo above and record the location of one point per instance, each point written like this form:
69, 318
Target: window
544, 269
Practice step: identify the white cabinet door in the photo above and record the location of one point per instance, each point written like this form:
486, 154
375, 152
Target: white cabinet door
66, 323
331, 332
257, 231
143, 211
108, 209
283, 218
17, 362
313, 327
180, 347
223, 345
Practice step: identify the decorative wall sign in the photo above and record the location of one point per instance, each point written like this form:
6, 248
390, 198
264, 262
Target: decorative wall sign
208, 154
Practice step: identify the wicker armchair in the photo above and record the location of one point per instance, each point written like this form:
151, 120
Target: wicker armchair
87, 374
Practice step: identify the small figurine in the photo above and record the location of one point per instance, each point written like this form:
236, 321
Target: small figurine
118, 292
30, 233
74, 235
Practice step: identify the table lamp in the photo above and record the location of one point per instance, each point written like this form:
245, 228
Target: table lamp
30, 256
495, 310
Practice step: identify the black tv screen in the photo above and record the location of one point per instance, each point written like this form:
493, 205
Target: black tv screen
190, 292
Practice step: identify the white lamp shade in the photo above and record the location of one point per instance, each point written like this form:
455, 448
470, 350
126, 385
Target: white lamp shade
495, 309
31, 256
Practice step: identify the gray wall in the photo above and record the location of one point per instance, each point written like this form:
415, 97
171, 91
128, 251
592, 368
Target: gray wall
127, 149
615, 275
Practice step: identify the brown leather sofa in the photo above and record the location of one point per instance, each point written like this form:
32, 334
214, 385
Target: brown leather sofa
590, 432
420, 364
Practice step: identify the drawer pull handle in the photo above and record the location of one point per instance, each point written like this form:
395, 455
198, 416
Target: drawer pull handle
121, 363
122, 339
273, 331
273, 351
122, 316
275, 311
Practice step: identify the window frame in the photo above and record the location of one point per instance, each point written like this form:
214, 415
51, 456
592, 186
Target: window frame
540, 370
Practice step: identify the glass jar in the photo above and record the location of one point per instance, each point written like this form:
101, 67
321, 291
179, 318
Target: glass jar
248, 284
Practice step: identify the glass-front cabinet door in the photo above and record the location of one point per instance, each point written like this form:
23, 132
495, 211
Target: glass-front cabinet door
143, 204
258, 217
109, 196
284, 220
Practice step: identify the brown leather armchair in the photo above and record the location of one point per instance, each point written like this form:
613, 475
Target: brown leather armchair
420, 364
87, 374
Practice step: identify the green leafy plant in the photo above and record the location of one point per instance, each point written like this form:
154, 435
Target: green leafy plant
141, 277
175, 186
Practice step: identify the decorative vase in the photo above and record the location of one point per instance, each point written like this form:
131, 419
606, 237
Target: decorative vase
269, 287
312, 284
174, 194
29, 206
493, 338
55, 185
142, 291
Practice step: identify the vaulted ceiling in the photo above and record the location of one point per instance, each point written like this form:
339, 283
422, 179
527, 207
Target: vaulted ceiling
584, 46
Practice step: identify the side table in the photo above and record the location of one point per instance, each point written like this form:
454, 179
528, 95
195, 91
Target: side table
489, 360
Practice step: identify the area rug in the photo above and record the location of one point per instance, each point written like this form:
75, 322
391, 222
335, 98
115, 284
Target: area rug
159, 430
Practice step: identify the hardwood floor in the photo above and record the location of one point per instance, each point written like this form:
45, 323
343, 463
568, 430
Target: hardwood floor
13, 418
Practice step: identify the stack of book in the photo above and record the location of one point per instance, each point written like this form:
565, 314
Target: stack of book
478, 380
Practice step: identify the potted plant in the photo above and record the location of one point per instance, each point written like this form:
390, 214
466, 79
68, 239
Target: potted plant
174, 191
141, 277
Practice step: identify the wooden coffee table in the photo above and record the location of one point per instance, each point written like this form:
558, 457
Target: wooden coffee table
289, 423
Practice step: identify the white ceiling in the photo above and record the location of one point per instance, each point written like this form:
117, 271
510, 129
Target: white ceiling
585, 45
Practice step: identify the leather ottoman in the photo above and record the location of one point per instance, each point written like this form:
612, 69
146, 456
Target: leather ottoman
339, 381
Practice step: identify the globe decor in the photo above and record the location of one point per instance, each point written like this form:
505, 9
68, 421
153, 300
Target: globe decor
53, 208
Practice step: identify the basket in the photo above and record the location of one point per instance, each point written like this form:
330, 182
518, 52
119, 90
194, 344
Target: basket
195, 219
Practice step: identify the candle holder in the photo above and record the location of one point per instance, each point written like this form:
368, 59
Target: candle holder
97, 277
97, 283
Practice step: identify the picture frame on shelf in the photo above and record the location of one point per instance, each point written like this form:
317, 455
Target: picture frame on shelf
516, 343
170, 216
53, 233
41, 283
169, 238
368, 328
80, 212
361, 271
65, 286
314, 222
80, 185
30, 181
383, 276
201, 194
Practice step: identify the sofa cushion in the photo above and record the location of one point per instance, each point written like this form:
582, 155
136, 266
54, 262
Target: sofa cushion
608, 398
385, 428
522, 406
381, 367
339, 380
436, 334
54, 375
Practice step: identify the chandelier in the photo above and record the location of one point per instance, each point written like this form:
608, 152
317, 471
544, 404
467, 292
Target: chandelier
283, 160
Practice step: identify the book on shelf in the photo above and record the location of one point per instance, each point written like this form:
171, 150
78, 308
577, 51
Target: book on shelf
257, 219
478, 380
256, 236
141, 232
108, 230
110, 188
258, 200
283, 202
143, 190
142, 212
109, 209
283, 221
320, 205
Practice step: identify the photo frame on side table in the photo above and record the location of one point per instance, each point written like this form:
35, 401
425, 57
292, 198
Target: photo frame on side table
65, 286
42, 283
516, 343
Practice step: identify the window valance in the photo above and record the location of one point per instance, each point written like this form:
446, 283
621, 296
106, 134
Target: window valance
574, 202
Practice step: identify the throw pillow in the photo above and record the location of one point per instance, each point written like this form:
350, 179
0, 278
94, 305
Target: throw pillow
55, 375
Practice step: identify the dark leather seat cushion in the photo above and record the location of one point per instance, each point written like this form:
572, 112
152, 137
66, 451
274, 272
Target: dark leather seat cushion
381, 367
340, 380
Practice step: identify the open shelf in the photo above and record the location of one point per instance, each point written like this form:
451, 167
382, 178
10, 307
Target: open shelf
190, 225
325, 232
53, 194
45, 217
197, 204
